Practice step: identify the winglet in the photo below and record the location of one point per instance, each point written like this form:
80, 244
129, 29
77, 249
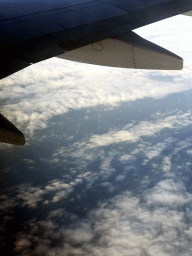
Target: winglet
9, 133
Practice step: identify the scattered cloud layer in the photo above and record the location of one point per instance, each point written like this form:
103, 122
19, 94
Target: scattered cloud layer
149, 222
122, 225
129, 134
39, 101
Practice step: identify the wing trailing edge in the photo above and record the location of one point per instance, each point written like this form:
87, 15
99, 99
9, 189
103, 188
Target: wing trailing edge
9, 133
126, 51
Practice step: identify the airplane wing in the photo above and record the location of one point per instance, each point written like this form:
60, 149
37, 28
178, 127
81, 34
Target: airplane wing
92, 31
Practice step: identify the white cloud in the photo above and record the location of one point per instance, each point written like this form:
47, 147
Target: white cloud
6, 203
60, 195
169, 192
189, 151
120, 177
119, 226
134, 134
166, 166
182, 144
22, 244
155, 150
88, 151
81, 235
57, 185
28, 161
84, 175
30, 195
126, 158
157, 226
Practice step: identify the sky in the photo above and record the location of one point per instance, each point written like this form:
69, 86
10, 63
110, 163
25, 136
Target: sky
106, 169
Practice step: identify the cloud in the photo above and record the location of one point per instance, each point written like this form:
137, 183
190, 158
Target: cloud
57, 185
28, 161
155, 150
135, 133
126, 157
88, 151
60, 195
83, 154
120, 177
56, 189
169, 192
6, 203
166, 166
147, 223
22, 244
30, 195
119, 226
189, 151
